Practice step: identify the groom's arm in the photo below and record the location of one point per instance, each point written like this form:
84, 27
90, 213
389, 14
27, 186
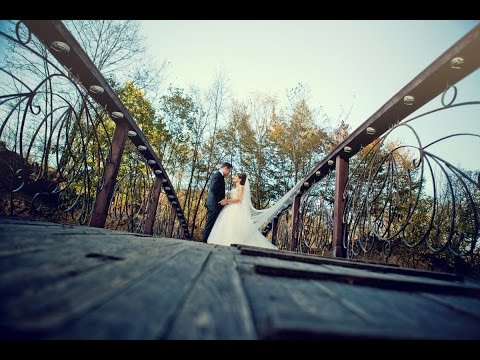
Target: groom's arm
217, 187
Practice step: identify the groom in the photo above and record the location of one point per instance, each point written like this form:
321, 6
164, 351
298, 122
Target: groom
216, 194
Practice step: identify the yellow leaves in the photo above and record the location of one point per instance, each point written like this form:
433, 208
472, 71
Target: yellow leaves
139, 107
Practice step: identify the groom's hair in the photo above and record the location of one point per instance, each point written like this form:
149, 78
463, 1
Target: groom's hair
226, 164
243, 178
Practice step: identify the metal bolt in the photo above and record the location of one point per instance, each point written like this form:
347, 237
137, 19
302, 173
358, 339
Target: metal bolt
457, 62
96, 89
60, 46
117, 115
409, 100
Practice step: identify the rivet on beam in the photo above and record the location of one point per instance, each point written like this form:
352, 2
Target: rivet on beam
318, 173
141, 147
330, 162
174, 203
306, 184
457, 62
60, 46
171, 197
131, 133
151, 161
167, 188
96, 89
158, 172
347, 149
370, 130
164, 180
409, 100
118, 115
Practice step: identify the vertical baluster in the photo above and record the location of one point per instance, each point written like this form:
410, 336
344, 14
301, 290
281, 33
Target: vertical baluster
341, 176
105, 195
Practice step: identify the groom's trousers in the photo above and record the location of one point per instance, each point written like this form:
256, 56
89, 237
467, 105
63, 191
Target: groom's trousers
212, 214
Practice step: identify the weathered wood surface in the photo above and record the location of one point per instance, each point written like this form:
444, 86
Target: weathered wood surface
71, 282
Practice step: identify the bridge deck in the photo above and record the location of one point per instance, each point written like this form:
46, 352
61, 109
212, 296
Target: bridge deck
70, 282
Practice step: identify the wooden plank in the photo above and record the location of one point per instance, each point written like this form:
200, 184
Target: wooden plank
144, 310
55, 303
409, 314
275, 302
465, 305
17, 237
387, 314
216, 307
374, 280
32, 272
397, 277
317, 259
58, 249
340, 271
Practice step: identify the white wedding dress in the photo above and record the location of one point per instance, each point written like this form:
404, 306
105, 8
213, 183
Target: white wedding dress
235, 225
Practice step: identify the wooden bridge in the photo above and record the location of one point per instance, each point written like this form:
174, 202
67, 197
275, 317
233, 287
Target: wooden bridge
63, 281
72, 282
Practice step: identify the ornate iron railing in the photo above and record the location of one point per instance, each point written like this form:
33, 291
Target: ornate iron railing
404, 197
393, 200
63, 134
315, 221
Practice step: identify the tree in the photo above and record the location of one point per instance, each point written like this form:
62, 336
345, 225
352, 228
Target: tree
117, 48
298, 137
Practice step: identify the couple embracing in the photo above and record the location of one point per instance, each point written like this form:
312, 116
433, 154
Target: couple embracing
229, 221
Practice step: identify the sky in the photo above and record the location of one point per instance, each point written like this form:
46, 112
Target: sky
344, 63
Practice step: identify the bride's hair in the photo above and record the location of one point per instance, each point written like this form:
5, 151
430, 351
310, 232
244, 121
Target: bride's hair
243, 178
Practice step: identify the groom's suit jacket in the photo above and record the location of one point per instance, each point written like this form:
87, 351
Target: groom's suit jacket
216, 192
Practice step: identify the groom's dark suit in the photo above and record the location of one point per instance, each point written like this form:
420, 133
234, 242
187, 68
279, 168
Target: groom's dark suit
216, 193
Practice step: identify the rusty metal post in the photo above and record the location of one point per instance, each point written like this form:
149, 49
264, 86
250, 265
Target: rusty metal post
104, 196
152, 211
341, 176
171, 221
295, 213
274, 230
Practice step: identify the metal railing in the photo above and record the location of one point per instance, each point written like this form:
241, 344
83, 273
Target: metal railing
376, 199
64, 154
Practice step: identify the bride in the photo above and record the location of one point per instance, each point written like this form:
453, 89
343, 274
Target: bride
236, 224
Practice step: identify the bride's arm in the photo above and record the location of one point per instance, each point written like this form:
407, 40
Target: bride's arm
239, 196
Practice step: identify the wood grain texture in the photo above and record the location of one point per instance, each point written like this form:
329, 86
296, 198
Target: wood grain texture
374, 267
71, 282
145, 309
85, 273
292, 306
408, 315
216, 307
